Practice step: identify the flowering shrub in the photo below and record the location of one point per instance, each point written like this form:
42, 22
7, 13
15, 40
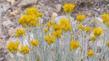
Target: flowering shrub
64, 38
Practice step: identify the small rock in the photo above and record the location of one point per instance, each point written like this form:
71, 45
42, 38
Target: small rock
11, 31
25, 2
11, 1
8, 23
54, 15
58, 7
13, 13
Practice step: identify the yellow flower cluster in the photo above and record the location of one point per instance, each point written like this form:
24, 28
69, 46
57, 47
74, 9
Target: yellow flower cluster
34, 43
105, 17
81, 27
93, 38
50, 24
98, 31
50, 39
90, 53
57, 27
65, 24
30, 18
87, 28
46, 30
12, 46
57, 33
20, 32
74, 44
69, 7
24, 49
33, 12
80, 17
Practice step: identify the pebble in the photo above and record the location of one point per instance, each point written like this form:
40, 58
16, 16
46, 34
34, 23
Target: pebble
8, 23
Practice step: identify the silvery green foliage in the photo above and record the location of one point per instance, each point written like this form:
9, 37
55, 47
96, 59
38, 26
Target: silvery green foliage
60, 50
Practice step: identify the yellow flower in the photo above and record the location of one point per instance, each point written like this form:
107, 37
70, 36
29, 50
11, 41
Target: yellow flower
50, 39
20, 32
49, 24
34, 43
69, 7
12, 46
97, 31
107, 43
65, 24
87, 28
23, 20
33, 12
57, 27
90, 53
80, 17
28, 20
24, 49
46, 30
74, 44
33, 22
93, 38
57, 33
80, 27
105, 17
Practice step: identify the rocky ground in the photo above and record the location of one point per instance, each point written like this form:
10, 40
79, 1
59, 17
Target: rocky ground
10, 11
